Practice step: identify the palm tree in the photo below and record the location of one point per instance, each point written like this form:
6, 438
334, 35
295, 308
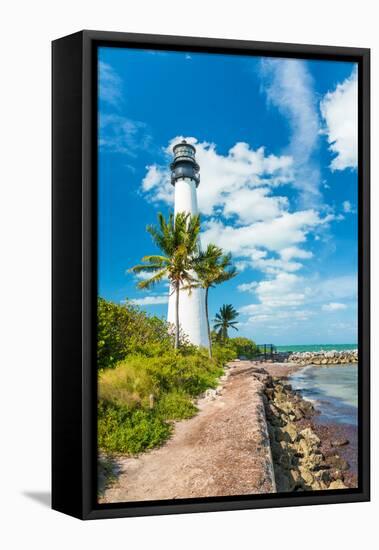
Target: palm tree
213, 268
224, 320
177, 238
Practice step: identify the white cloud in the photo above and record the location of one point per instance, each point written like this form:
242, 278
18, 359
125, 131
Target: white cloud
277, 235
294, 297
281, 291
337, 288
150, 300
123, 135
247, 287
142, 275
333, 306
225, 178
157, 184
289, 87
295, 252
347, 207
109, 84
339, 109
252, 205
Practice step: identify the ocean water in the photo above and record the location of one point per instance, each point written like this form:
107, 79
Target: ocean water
332, 389
317, 347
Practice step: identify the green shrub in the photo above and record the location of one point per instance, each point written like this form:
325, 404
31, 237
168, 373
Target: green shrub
222, 353
244, 347
121, 430
124, 329
176, 405
192, 374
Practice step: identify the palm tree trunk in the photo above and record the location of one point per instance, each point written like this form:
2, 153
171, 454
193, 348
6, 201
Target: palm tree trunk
208, 327
176, 316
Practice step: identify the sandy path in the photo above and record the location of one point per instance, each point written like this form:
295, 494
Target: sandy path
223, 450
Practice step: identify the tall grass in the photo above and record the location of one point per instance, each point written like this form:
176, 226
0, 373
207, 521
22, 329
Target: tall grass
140, 396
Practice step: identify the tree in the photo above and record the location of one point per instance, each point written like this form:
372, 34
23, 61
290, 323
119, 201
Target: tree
177, 238
213, 267
224, 320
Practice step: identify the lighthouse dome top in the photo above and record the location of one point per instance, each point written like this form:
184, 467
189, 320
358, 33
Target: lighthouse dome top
184, 164
184, 149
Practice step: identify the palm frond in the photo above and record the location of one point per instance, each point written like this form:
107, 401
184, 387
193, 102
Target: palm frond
157, 278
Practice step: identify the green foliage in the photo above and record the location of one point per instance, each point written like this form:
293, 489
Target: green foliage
128, 384
176, 405
192, 373
124, 430
232, 348
223, 352
244, 347
224, 320
213, 267
124, 329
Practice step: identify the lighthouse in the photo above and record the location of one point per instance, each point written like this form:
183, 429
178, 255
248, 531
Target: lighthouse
185, 178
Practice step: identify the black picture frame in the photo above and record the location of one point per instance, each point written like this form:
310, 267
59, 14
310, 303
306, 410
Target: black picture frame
74, 273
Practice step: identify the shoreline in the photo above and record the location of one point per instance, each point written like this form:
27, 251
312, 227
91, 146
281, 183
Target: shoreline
307, 454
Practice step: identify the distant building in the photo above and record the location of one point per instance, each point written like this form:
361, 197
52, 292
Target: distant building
185, 178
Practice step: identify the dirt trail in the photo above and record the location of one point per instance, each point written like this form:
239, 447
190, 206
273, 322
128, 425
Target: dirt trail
223, 450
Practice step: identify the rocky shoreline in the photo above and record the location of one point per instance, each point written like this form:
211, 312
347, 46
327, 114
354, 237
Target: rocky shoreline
333, 357
306, 456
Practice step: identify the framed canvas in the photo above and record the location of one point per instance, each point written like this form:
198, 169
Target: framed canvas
210, 275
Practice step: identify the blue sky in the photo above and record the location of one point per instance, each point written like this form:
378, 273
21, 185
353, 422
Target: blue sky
276, 142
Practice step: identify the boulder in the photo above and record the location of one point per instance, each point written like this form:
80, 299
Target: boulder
311, 438
340, 442
291, 430
335, 461
338, 484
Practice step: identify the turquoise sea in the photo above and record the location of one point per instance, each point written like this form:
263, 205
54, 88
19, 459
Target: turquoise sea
317, 347
332, 389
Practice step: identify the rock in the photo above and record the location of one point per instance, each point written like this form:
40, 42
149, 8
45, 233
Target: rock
337, 462
311, 438
295, 476
340, 442
273, 410
291, 430
336, 474
210, 394
338, 484
307, 476
323, 476
324, 357
313, 461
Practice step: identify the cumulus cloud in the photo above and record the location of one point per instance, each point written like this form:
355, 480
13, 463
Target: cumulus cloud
248, 287
339, 109
150, 300
288, 86
227, 180
293, 297
333, 306
281, 234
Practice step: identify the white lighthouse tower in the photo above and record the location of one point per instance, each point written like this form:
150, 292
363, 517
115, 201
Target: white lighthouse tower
185, 178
